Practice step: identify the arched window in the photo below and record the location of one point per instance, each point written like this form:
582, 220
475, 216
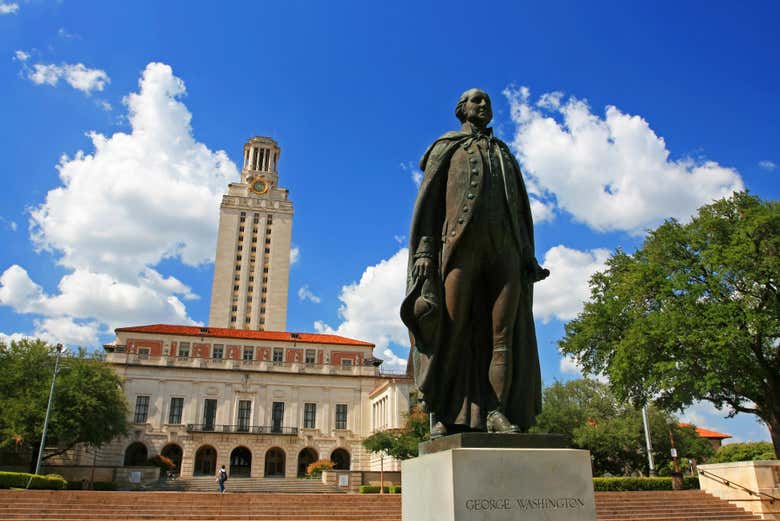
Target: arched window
136, 454
240, 462
274, 463
205, 461
340, 459
174, 453
306, 457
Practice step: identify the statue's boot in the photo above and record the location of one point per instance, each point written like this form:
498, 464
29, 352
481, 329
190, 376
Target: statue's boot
497, 422
438, 429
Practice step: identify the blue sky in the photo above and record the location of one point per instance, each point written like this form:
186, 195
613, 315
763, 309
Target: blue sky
122, 124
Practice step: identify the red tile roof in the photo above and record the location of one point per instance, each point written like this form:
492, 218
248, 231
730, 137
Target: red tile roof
219, 332
706, 433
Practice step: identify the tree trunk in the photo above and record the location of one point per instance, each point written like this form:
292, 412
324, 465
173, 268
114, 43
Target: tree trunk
34, 458
773, 423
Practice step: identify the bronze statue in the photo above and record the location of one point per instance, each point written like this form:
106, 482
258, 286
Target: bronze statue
470, 281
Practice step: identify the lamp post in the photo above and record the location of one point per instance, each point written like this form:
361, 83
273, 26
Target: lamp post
650, 462
48, 409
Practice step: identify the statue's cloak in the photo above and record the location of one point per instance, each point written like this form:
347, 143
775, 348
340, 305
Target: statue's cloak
451, 374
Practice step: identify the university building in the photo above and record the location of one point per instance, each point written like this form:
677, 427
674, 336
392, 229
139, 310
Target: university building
243, 392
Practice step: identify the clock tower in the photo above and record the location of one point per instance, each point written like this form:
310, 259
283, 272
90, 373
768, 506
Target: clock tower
252, 265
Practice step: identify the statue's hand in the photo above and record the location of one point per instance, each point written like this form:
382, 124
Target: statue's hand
537, 272
423, 268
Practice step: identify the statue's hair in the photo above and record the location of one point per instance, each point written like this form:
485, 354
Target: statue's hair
460, 113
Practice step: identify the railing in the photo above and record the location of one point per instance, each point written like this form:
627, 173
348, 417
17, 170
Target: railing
243, 429
241, 364
723, 481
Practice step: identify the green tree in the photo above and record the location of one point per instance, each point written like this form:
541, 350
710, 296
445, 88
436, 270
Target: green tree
589, 413
694, 314
749, 451
89, 405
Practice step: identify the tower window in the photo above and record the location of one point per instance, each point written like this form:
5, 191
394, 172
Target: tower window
238, 258
268, 250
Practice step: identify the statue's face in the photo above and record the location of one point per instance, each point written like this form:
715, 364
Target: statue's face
477, 108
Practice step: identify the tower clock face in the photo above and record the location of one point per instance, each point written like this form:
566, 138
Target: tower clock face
259, 186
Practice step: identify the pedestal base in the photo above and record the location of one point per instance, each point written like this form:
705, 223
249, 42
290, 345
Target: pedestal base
491, 484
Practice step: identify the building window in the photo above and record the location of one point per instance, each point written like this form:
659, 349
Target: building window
277, 416
177, 406
238, 258
346, 362
278, 355
249, 353
141, 409
310, 356
341, 415
309, 415
244, 411
209, 414
184, 349
232, 319
268, 250
143, 353
218, 351
234, 309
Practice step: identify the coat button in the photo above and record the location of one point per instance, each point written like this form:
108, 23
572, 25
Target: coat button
474, 183
465, 209
475, 171
452, 234
470, 196
460, 221
473, 160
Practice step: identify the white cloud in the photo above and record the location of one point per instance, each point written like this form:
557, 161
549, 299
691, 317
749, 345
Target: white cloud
13, 337
563, 293
76, 75
21, 56
568, 365
742, 427
370, 309
400, 239
103, 104
8, 223
767, 165
611, 172
8, 8
304, 293
415, 174
66, 331
295, 255
139, 198
65, 35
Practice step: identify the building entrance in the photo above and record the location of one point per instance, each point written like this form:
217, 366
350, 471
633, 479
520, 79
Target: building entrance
240, 462
274, 463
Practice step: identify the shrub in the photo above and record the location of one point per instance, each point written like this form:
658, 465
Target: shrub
690, 482
75, 485
104, 485
623, 484
316, 469
160, 461
25, 480
371, 489
394, 489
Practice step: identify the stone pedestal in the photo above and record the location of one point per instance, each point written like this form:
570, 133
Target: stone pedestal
499, 484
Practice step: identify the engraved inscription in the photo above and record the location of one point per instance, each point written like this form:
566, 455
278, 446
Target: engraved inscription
525, 503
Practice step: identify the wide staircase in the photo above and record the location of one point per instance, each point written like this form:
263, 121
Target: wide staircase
246, 485
137, 506
661, 505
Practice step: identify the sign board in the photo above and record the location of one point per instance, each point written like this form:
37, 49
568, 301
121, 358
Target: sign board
343, 480
674, 452
135, 476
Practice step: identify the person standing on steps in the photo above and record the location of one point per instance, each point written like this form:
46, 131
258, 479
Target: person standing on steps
221, 478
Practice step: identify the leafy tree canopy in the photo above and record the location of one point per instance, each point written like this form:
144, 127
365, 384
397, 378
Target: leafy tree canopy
694, 314
401, 443
750, 451
89, 405
590, 414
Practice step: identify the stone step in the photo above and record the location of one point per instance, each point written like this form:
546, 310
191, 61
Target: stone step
197, 506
